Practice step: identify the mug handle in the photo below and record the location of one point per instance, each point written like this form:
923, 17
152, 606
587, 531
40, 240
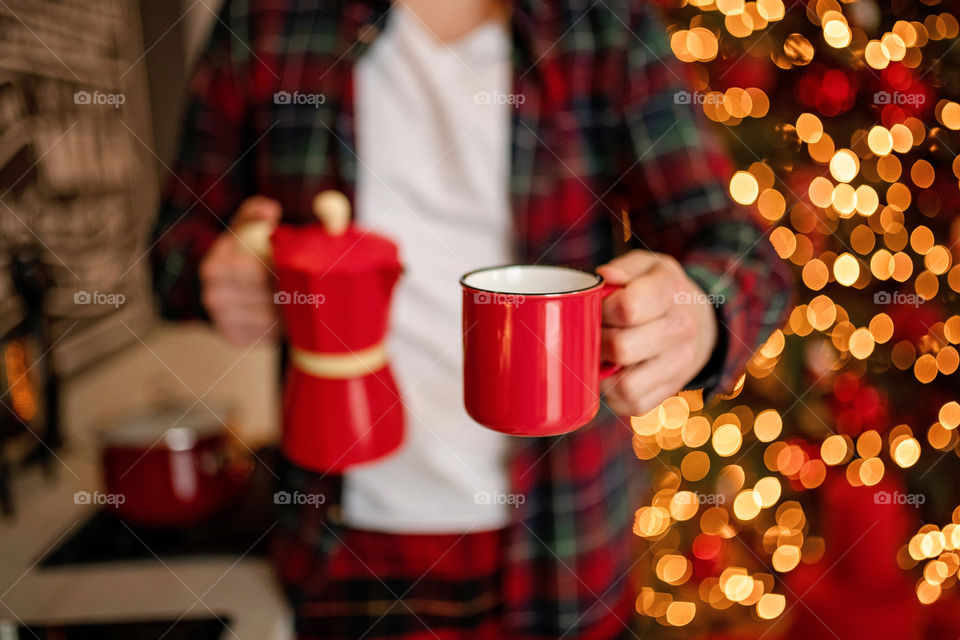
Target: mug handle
607, 369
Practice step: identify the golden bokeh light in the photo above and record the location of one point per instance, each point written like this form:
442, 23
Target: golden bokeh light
820, 191
747, 505
862, 239
889, 168
771, 204
880, 141
861, 344
835, 450
876, 55
771, 10
727, 440
871, 471
786, 558
844, 165
938, 260
798, 49
683, 505
881, 328
768, 491
771, 605
673, 568
902, 138
867, 200
921, 240
730, 7
821, 313
822, 150
926, 285
869, 444
928, 593
846, 269
949, 415
744, 188
894, 46
696, 432
809, 128
679, 613
905, 452
922, 174
844, 200
949, 115
651, 522
925, 368
815, 275
837, 34
812, 474
767, 425
695, 465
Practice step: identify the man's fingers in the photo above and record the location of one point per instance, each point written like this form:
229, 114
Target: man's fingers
643, 299
257, 208
246, 334
630, 345
226, 298
630, 265
639, 406
642, 387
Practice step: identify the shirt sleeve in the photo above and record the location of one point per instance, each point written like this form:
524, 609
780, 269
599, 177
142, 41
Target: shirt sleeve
677, 193
209, 177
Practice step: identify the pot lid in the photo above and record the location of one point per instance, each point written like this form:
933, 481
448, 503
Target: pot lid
311, 249
333, 246
175, 428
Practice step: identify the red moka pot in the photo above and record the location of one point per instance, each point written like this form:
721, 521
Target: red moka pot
341, 405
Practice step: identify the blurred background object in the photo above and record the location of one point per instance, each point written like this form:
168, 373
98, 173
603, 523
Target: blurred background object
90, 103
91, 97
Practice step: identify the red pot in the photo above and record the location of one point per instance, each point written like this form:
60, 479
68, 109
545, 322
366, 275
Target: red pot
175, 468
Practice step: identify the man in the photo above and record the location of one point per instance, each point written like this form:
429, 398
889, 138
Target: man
472, 133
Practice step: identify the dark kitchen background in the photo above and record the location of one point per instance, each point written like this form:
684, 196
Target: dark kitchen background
90, 105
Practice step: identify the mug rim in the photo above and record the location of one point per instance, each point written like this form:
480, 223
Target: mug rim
595, 285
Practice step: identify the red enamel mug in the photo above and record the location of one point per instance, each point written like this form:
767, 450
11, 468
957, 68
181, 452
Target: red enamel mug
531, 343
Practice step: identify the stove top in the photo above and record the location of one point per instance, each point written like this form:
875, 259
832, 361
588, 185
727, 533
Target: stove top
105, 538
238, 530
196, 629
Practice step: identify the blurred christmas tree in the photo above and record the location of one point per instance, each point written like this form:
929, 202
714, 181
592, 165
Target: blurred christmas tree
796, 508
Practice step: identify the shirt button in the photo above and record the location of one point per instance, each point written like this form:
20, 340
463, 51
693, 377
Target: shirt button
367, 33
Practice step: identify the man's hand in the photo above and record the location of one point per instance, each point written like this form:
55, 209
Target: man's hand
660, 327
235, 283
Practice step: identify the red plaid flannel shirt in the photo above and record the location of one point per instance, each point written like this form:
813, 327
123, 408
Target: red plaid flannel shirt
600, 130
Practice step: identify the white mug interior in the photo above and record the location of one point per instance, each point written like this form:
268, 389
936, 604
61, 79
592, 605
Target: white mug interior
531, 280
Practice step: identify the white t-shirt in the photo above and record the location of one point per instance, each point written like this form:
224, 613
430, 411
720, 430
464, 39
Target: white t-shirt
433, 144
